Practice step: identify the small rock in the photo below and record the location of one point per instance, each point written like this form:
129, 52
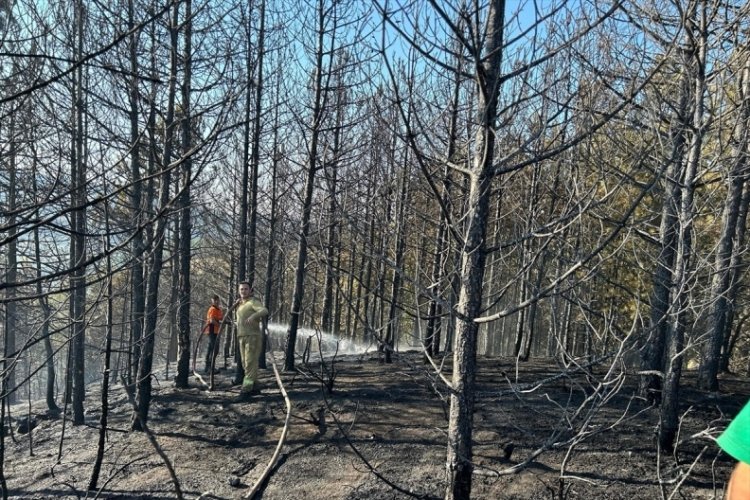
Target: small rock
234, 481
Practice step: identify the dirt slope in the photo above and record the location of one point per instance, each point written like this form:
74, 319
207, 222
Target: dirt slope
387, 421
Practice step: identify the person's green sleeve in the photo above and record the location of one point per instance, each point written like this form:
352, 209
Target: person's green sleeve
735, 440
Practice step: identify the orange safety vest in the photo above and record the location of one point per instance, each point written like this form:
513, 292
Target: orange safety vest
214, 314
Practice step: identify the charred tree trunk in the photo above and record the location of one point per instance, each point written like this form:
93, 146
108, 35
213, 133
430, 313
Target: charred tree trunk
11, 274
184, 291
245, 182
460, 425
78, 226
331, 247
174, 294
93, 481
399, 245
255, 149
737, 267
682, 274
650, 384
312, 167
138, 293
52, 407
144, 379
434, 310
273, 223
725, 255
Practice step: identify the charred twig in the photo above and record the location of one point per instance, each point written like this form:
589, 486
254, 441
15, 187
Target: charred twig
327, 375
685, 475
118, 471
533, 386
369, 466
316, 418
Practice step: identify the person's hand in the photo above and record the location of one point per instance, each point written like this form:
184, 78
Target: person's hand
739, 483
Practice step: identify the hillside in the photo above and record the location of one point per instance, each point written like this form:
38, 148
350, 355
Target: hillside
383, 435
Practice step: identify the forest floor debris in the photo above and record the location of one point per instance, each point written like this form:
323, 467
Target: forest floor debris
387, 420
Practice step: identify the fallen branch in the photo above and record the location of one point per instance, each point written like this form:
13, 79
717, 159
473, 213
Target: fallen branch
195, 358
201, 379
282, 439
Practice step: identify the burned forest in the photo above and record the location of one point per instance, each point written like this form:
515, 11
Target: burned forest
493, 249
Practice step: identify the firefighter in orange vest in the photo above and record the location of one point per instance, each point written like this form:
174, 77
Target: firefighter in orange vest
214, 316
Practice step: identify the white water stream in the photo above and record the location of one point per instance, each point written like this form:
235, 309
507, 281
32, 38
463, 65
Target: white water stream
328, 342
